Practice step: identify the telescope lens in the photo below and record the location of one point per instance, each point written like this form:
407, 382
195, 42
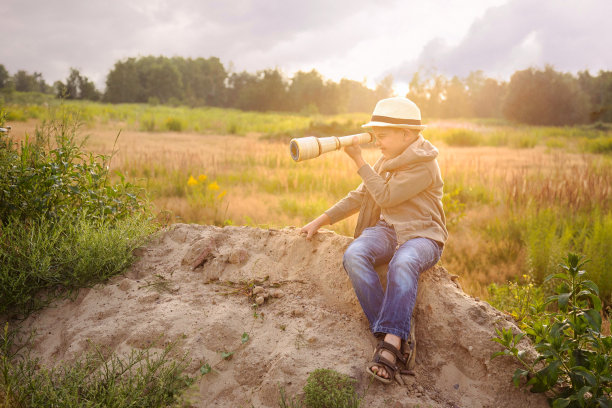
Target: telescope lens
295, 151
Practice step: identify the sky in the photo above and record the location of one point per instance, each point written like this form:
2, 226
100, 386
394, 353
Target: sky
355, 39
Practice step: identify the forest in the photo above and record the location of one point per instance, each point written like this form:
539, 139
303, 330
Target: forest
531, 96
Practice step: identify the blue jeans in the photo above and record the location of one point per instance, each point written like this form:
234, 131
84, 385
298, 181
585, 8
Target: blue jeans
389, 311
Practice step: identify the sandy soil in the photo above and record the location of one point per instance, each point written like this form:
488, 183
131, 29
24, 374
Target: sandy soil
309, 319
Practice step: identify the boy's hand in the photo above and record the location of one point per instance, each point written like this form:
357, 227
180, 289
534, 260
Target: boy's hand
312, 227
354, 152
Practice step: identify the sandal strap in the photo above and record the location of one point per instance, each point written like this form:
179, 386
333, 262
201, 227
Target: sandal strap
383, 345
391, 368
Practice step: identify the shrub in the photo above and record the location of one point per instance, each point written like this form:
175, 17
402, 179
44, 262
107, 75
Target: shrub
463, 138
325, 389
97, 378
52, 177
42, 259
574, 361
174, 124
63, 225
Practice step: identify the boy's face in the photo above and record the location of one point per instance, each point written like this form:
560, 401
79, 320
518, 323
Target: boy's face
392, 141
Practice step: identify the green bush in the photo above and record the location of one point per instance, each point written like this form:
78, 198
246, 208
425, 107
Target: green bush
551, 232
63, 225
43, 259
463, 138
97, 378
174, 124
574, 360
325, 389
602, 144
52, 176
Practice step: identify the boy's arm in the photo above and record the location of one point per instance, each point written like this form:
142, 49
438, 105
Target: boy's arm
342, 209
401, 187
348, 206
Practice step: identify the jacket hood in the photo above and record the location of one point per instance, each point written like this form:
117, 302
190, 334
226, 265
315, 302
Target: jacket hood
421, 150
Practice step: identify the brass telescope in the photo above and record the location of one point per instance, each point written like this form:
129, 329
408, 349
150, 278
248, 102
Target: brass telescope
305, 148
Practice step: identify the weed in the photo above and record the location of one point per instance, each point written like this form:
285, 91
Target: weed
174, 124
160, 284
574, 362
325, 389
143, 378
300, 339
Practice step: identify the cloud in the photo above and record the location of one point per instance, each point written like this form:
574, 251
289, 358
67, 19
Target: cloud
91, 35
570, 35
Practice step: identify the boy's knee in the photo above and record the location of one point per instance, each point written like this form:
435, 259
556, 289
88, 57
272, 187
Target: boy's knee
353, 255
408, 265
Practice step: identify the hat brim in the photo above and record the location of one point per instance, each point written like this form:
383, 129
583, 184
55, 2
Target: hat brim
393, 125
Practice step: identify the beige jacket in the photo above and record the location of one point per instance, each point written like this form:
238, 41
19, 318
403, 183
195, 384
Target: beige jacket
406, 190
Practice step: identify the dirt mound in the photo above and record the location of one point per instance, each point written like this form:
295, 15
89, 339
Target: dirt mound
191, 282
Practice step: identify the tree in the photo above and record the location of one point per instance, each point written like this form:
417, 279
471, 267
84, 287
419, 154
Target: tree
486, 95
4, 77
25, 82
123, 83
546, 98
599, 90
77, 86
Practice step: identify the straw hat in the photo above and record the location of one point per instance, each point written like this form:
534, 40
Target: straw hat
398, 112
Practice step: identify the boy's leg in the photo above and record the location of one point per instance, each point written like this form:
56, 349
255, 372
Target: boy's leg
412, 258
375, 246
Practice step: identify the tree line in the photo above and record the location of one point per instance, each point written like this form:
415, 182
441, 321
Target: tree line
532, 96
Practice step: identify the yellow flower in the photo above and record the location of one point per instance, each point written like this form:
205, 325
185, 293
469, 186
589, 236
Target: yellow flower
213, 186
192, 181
222, 194
202, 178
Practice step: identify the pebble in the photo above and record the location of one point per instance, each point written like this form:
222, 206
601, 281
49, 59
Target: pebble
260, 300
257, 290
125, 285
238, 256
276, 293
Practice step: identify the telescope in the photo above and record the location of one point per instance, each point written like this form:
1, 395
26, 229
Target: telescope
305, 148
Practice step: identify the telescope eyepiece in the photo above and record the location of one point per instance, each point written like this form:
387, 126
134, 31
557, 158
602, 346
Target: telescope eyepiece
294, 150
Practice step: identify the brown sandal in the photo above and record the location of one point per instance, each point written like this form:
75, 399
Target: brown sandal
391, 367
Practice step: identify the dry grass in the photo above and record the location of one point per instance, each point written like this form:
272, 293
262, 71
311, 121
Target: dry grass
266, 188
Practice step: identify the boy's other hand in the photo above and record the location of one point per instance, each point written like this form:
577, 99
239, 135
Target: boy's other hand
354, 150
312, 227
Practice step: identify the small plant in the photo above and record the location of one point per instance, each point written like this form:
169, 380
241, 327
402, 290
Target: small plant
208, 194
97, 378
574, 362
325, 389
160, 284
521, 300
174, 124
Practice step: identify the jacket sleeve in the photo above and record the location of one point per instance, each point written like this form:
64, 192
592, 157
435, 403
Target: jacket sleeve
402, 186
349, 205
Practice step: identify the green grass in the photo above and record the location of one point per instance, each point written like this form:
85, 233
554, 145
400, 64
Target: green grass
96, 378
43, 259
325, 389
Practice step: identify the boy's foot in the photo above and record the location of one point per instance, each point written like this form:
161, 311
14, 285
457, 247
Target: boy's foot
380, 370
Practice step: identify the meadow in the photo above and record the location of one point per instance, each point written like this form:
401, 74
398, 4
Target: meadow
517, 197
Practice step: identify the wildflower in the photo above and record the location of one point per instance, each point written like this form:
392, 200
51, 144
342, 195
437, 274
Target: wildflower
222, 194
202, 178
213, 186
192, 181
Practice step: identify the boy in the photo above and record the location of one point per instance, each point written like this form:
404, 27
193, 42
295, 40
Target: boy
401, 222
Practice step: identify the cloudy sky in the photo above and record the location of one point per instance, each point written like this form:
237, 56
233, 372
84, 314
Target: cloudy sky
356, 39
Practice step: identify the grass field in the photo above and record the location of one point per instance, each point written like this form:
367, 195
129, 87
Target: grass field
517, 198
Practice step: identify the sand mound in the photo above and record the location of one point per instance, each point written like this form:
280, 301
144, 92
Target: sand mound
309, 319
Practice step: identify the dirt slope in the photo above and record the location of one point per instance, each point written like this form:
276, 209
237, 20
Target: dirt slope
310, 319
